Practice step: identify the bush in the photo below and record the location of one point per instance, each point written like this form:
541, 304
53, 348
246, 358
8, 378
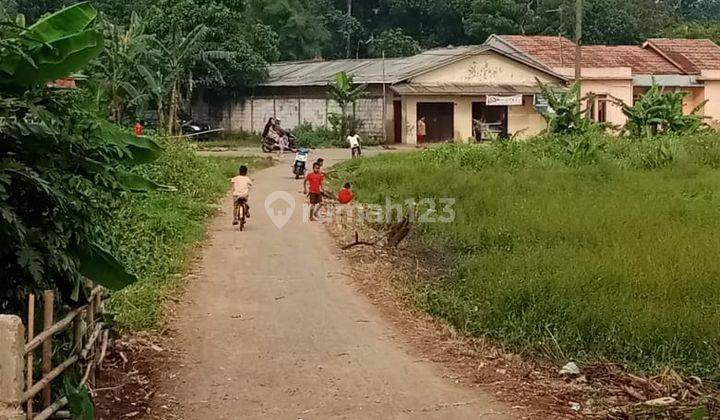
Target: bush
317, 137
611, 255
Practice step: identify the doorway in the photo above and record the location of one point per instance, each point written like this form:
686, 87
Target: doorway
489, 121
397, 121
438, 119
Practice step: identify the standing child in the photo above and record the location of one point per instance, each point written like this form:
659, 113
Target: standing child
313, 187
354, 140
241, 191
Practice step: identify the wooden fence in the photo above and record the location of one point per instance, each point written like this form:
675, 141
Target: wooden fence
89, 343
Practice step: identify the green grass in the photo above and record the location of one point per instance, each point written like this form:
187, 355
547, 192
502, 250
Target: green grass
573, 247
236, 140
154, 234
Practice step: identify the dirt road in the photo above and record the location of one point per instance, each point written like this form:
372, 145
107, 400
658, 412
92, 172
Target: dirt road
272, 328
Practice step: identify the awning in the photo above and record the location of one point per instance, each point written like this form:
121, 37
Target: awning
458, 89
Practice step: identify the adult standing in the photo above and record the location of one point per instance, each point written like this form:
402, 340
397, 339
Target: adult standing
421, 131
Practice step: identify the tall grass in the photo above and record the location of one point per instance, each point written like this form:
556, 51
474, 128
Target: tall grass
586, 248
154, 233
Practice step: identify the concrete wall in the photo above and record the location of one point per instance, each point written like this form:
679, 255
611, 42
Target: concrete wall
313, 107
486, 68
523, 121
615, 82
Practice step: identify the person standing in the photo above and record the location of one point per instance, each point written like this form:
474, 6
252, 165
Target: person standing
313, 188
354, 140
421, 131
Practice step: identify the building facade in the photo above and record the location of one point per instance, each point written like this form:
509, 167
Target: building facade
476, 91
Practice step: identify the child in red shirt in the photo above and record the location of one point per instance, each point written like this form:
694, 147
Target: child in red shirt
314, 180
345, 195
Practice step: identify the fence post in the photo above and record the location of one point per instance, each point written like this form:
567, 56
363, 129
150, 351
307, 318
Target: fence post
12, 359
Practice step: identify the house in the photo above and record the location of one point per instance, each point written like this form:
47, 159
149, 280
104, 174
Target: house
491, 87
450, 87
625, 72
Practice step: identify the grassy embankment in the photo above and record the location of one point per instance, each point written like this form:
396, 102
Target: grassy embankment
574, 248
154, 233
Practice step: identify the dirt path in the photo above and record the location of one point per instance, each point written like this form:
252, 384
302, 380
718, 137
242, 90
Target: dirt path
272, 328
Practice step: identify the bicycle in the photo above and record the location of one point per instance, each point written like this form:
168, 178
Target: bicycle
239, 211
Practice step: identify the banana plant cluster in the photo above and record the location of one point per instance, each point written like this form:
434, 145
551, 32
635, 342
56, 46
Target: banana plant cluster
60, 164
658, 112
567, 115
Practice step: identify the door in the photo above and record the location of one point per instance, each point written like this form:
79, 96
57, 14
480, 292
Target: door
397, 121
489, 119
438, 119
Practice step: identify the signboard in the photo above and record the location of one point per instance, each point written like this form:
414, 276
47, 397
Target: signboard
542, 106
496, 100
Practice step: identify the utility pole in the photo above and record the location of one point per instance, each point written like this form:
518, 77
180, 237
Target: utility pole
578, 42
384, 105
347, 28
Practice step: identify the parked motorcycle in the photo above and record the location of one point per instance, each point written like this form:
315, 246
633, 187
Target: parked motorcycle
300, 162
193, 129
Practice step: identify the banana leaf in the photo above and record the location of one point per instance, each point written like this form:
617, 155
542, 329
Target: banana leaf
137, 183
64, 22
142, 149
58, 59
101, 267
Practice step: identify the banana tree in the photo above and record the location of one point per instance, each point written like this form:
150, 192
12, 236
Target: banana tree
566, 115
59, 163
658, 112
346, 93
116, 73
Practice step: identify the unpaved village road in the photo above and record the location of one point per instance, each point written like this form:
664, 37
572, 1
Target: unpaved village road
271, 327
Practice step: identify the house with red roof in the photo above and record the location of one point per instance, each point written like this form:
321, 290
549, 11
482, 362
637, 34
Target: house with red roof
624, 72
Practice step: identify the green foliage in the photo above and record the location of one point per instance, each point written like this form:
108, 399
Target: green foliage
314, 137
658, 112
602, 260
79, 402
59, 163
153, 234
346, 93
395, 44
566, 115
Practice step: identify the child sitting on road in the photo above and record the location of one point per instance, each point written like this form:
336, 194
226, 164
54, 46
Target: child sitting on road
345, 195
241, 191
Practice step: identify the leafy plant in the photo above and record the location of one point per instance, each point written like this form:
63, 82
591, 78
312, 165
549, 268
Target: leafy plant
658, 112
59, 164
346, 93
566, 114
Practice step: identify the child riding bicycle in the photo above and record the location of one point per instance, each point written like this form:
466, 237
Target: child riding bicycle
241, 191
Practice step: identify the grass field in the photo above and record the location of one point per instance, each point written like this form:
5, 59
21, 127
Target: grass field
574, 248
154, 234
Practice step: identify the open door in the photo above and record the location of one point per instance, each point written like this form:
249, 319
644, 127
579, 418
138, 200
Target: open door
438, 119
489, 120
397, 121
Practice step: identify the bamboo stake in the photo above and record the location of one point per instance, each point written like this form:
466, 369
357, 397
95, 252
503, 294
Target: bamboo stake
49, 332
29, 369
44, 383
48, 302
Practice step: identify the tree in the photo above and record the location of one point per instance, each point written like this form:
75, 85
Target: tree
394, 43
658, 112
346, 93
119, 84
59, 164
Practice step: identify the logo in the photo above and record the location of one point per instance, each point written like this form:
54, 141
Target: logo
280, 206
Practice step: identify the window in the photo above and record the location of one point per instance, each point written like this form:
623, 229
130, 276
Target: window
597, 108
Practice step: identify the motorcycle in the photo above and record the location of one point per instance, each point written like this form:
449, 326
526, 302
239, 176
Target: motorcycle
269, 145
300, 162
192, 129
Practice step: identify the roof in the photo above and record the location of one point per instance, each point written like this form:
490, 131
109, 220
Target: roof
692, 55
559, 52
462, 89
322, 72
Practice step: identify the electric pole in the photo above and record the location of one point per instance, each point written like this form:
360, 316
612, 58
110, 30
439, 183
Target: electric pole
578, 42
349, 16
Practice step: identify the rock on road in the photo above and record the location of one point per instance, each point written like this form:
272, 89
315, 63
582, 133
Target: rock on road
271, 327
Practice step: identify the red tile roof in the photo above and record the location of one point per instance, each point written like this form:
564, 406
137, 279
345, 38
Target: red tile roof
555, 51
692, 55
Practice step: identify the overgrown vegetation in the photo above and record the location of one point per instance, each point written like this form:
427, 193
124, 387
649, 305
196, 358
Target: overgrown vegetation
607, 252
154, 233
59, 161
